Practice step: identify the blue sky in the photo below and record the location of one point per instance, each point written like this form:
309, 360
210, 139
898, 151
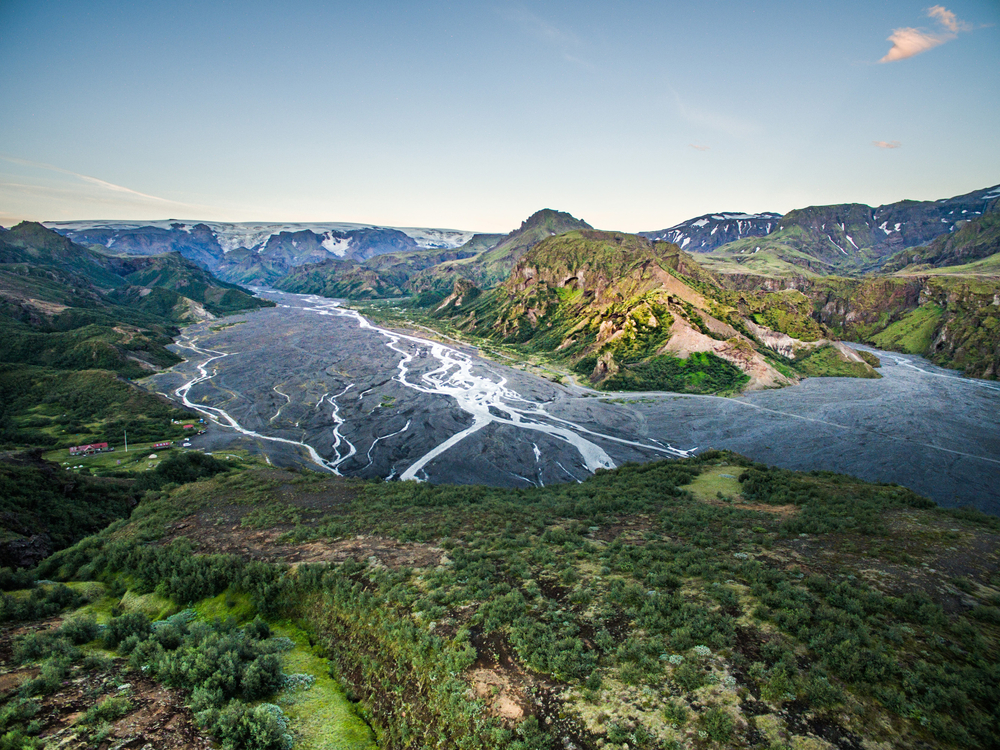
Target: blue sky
631, 115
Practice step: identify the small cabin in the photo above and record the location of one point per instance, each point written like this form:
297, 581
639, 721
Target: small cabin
86, 450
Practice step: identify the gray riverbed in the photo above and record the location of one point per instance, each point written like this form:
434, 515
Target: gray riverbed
309, 384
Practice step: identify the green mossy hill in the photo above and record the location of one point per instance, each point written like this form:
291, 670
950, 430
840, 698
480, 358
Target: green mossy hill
242, 266
40, 249
339, 280
661, 605
45, 407
34, 244
975, 240
606, 304
174, 272
42, 510
827, 361
701, 372
788, 311
953, 320
573, 293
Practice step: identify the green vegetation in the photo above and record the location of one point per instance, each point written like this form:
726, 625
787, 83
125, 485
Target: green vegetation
225, 669
869, 357
36, 499
74, 324
43, 407
701, 372
658, 601
913, 333
828, 361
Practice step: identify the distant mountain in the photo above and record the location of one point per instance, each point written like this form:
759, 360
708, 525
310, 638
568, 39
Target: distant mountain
386, 275
848, 238
705, 233
256, 252
68, 307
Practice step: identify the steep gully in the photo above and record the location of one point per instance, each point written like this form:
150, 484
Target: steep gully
488, 401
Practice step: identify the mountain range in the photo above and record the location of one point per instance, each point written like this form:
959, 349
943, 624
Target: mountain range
842, 239
934, 261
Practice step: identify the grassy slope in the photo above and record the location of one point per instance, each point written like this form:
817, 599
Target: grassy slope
645, 605
973, 243
74, 323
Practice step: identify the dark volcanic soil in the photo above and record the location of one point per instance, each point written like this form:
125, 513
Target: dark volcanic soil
919, 425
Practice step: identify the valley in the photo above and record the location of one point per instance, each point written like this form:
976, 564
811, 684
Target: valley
311, 383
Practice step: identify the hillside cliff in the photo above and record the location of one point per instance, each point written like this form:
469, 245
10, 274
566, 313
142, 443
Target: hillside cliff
630, 314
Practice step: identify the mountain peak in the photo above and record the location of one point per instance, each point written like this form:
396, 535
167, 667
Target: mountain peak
556, 222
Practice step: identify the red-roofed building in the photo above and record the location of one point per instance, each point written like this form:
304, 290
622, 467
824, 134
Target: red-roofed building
83, 450
189, 427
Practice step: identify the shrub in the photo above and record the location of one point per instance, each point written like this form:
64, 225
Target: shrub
121, 628
718, 725
262, 677
110, 709
80, 630
262, 727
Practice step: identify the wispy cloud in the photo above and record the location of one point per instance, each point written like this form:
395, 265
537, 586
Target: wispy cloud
92, 181
886, 144
721, 123
696, 147
566, 43
908, 41
947, 19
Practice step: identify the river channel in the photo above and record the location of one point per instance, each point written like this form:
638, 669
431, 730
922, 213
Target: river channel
313, 383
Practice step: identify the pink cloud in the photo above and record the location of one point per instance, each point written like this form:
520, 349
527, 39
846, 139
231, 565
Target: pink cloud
699, 148
947, 19
907, 41
886, 144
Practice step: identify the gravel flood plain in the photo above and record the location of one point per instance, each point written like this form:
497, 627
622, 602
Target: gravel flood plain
302, 374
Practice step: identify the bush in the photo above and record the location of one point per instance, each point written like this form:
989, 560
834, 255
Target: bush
262, 727
80, 630
262, 677
121, 628
718, 725
111, 708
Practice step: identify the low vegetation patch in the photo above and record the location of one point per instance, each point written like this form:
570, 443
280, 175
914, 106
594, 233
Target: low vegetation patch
659, 605
701, 372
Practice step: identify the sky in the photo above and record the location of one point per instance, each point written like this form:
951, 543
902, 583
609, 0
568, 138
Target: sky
633, 115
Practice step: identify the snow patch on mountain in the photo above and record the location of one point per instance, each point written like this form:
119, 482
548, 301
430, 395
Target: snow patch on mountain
251, 235
703, 234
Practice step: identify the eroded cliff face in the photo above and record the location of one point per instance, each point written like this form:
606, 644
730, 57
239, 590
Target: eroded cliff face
953, 321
